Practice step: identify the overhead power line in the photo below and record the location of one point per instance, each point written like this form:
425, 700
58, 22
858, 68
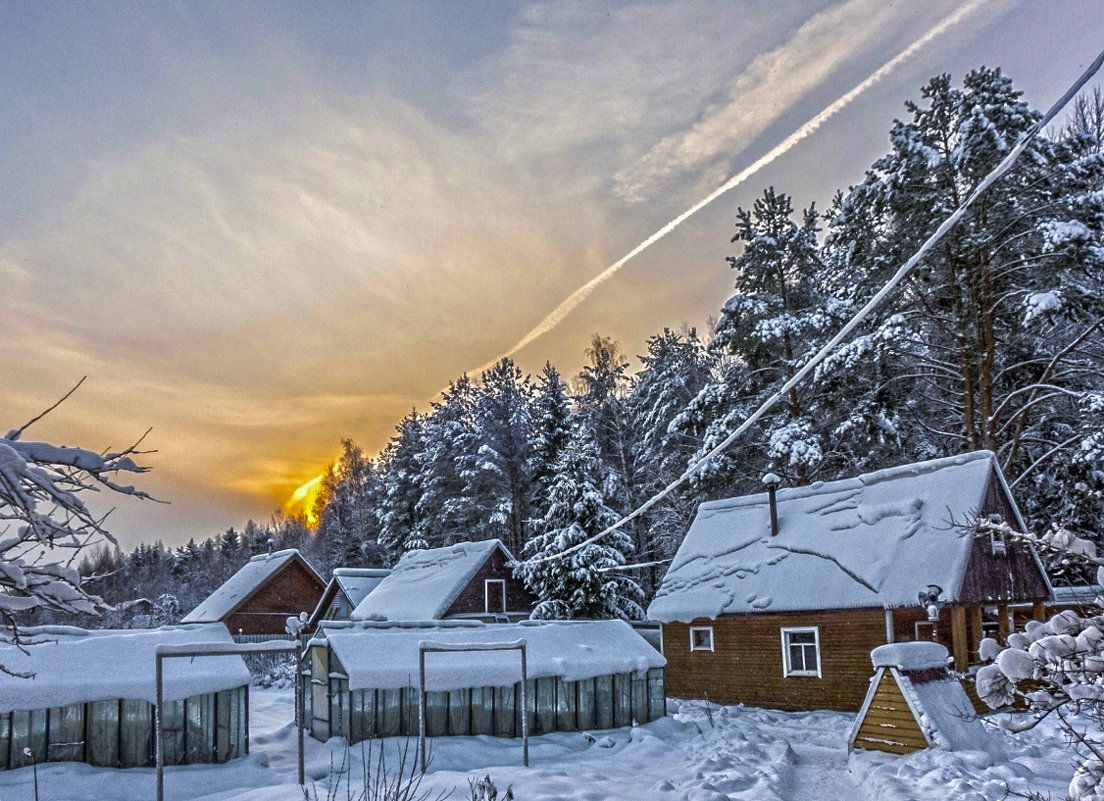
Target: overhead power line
859, 316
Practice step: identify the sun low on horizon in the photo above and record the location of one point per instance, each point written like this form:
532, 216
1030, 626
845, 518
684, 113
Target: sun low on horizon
260, 230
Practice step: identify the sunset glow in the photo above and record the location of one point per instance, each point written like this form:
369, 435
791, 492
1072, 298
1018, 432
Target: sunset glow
295, 231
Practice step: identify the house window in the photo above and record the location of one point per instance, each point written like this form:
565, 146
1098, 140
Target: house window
701, 638
494, 595
801, 652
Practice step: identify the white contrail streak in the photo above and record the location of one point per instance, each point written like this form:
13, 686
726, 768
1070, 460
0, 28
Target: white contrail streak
582, 293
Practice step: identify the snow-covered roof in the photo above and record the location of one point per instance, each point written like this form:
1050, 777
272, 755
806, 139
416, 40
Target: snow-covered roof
423, 585
875, 540
357, 582
385, 656
241, 585
1077, 594
73, 665
917, 655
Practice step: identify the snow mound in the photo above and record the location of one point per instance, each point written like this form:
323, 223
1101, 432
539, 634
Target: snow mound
910, 655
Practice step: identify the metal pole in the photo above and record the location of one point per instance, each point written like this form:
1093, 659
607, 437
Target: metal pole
157, 725
524, 709
421, 708
299, 710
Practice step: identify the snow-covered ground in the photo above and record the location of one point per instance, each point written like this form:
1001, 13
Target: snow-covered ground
698, 753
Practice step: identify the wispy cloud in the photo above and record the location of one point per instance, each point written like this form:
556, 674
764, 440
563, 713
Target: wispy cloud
762, 94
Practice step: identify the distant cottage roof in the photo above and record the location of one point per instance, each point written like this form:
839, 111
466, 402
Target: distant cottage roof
72, 666
385, 655
357, 582
424, 583
875, 540
236, 589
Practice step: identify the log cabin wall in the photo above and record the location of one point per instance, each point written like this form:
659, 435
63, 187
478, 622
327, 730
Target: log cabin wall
290, 590
745, 665
471, 599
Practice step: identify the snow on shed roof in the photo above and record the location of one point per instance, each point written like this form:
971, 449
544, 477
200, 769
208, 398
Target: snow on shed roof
385, 656
875, 540
241, 585
73, 665
357, 582
423, 585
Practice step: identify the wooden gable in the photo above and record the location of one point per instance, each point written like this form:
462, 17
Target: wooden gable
1001, 569
887, 721
473, 598
292, 589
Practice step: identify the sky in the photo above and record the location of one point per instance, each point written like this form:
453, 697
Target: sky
259, 228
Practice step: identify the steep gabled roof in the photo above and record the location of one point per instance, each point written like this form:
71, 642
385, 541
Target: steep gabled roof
875, 540
72, 666
423, 585
240, 586
352, 582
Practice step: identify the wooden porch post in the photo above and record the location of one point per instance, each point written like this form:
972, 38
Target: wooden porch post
1004, 622
974, 616
959, 647
1038, 610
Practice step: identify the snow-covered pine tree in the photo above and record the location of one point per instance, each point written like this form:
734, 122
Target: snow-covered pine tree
552, 425
446, 512
675, 369
348, 525
496, 457
583, 584
996, 341
767, 330
401, 472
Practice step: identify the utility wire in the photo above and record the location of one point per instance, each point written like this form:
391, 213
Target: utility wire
859, 316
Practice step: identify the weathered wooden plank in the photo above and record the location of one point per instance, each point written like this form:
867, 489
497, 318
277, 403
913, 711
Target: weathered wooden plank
459, 714
657, 695
893, 748
505, 710
622, 699
566, 704
102, 747
585, 704
482, 710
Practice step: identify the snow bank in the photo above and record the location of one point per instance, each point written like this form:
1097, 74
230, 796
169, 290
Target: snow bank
386, 656
872, 541
423, 585
72, 665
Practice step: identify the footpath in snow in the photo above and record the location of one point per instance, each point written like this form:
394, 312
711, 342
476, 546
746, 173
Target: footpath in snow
700, 752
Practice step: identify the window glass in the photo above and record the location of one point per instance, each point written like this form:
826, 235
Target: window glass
800, 652
701, 638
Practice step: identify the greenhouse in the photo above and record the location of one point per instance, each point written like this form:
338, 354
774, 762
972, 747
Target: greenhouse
361, 679
88, 696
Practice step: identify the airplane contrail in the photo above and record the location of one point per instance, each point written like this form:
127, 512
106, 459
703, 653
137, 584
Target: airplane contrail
569, 304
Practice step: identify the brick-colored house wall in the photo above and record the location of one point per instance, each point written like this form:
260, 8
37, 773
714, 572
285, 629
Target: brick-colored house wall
746, 663
290, 590
472, 600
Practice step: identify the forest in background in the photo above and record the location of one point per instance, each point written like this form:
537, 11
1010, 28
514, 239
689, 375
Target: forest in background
996, 341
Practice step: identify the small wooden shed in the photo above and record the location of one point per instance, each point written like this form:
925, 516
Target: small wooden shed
262, 595
362, 679
915, 702
466, 580
88, 696
347, 588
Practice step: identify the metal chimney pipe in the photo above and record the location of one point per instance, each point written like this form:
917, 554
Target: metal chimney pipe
772, 481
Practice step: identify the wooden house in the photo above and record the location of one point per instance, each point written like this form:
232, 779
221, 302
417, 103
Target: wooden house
363, 678
93, 693
785, 614
262, 595
915, 702
467, 580
347, 588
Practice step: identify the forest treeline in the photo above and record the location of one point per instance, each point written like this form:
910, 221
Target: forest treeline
996, 341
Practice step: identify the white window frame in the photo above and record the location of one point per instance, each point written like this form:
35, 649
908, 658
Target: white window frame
487, 596
787, 668
694, 630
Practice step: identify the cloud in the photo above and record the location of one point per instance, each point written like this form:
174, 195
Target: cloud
763, 93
